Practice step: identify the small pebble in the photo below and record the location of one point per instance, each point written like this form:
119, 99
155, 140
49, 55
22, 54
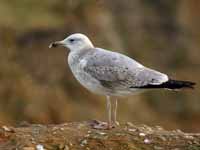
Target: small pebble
84, 142
130, 124
189, 137
33, 141
87, 135
89, 132
190, 142
132, 130
162, 138
142, 134
55, 128
6, 128
39, 147
159, 128
62, 129
147, 141
102, 133
179, 131
54, 132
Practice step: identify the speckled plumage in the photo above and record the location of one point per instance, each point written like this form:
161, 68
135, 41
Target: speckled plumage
111, 73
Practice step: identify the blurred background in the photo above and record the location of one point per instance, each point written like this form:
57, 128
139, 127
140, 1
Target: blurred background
37, 86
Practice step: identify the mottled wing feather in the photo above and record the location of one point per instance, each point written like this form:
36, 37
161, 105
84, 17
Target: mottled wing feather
117, 71
112, 77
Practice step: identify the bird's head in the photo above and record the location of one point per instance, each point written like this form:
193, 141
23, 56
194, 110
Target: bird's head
74, 42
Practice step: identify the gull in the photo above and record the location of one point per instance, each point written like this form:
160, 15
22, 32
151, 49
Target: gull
112, 74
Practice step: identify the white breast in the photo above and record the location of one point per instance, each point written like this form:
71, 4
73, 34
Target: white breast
86, 80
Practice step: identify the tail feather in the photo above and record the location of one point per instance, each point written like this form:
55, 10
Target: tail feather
171, 84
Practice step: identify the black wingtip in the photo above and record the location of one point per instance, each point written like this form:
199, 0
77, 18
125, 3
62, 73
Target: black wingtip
170, 84
176, 84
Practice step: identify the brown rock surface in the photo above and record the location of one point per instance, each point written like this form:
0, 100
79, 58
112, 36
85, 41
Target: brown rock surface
80, 136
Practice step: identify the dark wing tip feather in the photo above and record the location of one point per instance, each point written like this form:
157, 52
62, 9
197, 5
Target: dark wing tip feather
170, 84
176, 84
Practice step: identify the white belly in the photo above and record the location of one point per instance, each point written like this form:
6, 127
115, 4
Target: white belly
84, 78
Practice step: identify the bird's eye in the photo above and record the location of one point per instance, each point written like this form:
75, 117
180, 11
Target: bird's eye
71, 40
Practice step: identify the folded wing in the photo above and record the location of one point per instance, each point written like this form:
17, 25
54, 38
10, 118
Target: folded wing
118, 72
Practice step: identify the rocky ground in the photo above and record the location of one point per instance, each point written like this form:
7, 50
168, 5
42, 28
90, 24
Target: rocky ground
80, 136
